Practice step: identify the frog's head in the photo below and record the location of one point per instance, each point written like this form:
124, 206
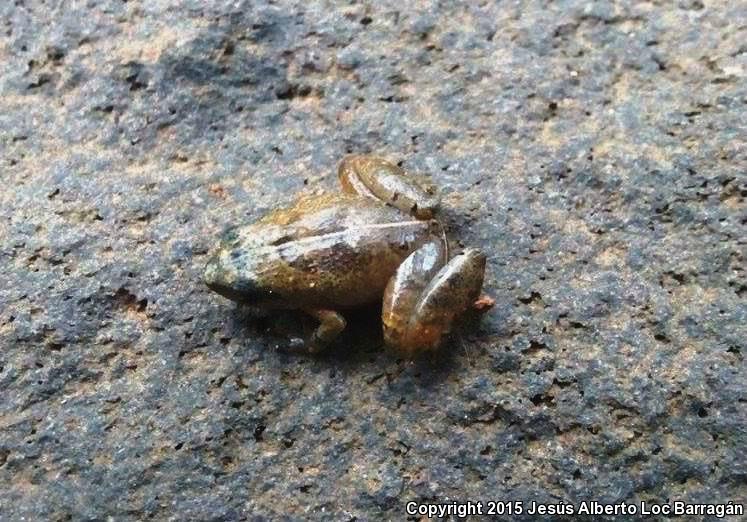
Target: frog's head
222, 277
230, 272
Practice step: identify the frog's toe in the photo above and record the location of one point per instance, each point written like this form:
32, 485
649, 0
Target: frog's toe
483, 303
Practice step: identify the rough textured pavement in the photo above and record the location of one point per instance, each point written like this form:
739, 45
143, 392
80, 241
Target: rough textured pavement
595, 150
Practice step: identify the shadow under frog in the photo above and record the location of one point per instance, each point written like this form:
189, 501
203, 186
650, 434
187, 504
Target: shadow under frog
376, 241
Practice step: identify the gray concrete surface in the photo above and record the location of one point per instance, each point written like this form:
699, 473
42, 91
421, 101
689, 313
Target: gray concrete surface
595, 150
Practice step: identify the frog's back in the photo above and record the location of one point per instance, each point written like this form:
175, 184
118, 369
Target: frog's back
327, 251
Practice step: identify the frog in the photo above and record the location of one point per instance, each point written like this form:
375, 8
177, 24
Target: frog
376, 240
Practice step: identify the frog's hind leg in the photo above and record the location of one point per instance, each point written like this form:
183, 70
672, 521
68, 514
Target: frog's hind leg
420, 306
379, 179
331, 325
404, 289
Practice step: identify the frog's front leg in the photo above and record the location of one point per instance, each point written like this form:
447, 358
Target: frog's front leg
379, 179
331, 324
425, 297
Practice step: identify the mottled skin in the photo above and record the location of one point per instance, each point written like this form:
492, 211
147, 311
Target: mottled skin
339, 251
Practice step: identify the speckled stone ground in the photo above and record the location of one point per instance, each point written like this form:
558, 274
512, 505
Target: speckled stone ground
595, 150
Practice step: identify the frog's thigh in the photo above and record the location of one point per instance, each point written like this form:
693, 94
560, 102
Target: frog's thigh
331, 324
379, 179
350, 180
447, 296
404, 290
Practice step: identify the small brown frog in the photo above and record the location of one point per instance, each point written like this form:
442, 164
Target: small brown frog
339, 251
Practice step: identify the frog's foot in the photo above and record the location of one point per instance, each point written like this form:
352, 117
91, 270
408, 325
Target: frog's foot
425, 297
379, 179
331, 324
483, 303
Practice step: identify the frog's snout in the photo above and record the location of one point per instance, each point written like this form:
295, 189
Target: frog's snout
214, 278
223, 279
